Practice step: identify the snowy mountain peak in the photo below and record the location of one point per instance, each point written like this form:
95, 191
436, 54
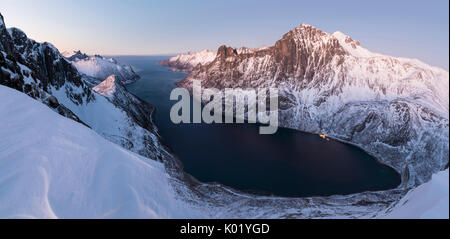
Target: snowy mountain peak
106, 87
304, 31
311, 35
99, 67
74, 55
306, 26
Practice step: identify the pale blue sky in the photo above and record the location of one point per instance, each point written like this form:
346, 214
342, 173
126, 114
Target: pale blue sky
417, 29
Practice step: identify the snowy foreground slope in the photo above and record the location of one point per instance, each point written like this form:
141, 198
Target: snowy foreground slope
428, 201
53, 167
66, 170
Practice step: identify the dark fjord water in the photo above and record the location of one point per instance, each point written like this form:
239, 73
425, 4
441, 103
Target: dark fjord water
288, 163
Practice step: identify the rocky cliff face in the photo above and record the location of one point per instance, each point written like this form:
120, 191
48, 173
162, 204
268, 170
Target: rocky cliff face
394, 108
40, 71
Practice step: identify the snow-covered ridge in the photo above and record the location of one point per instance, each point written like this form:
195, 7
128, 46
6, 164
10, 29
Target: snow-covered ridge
187, 62
353, 47
100, 67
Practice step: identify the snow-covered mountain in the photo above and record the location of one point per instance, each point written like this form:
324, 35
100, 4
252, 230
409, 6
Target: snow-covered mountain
187, 62
396, 109
100, 67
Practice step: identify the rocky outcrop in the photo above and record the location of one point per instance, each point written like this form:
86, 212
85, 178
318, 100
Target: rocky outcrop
31, 74
394, 108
